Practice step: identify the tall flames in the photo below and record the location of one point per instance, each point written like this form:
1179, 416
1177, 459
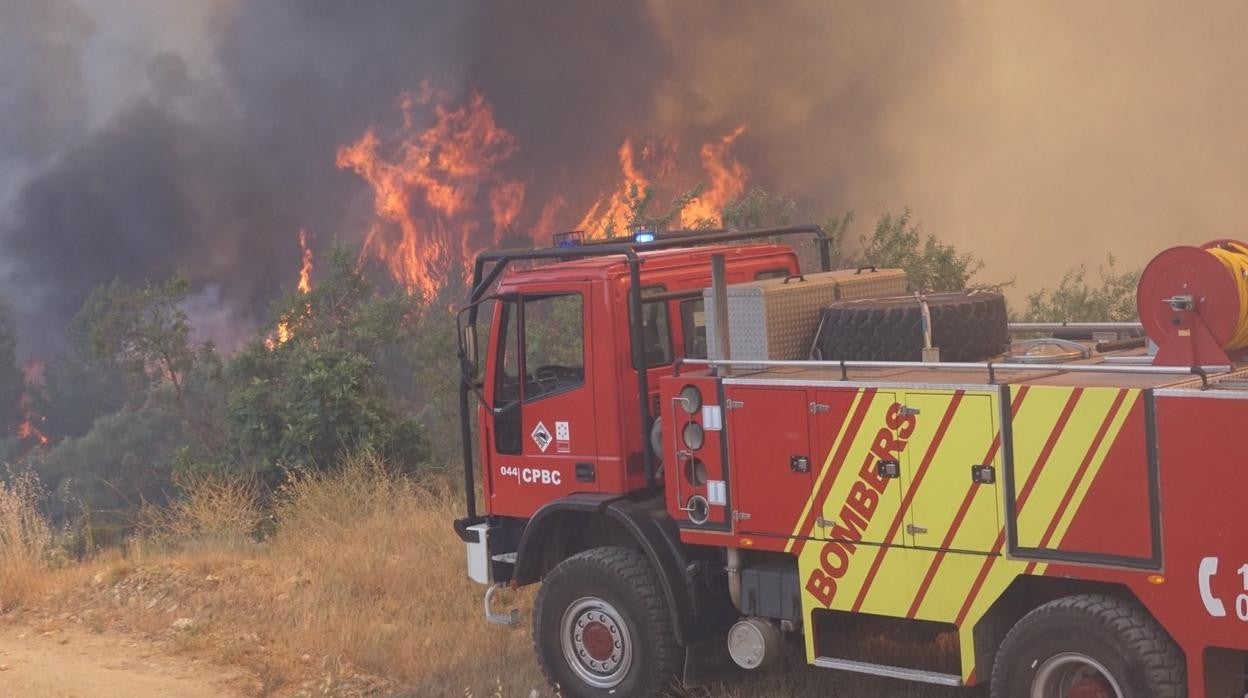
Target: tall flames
441, 195
427, 188
28, 431
305, 269
283, 333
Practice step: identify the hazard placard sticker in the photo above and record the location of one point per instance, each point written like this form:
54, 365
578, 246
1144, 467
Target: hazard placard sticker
563, 437
541, 436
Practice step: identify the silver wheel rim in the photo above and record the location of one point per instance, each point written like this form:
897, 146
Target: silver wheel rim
596, 642
1060, 674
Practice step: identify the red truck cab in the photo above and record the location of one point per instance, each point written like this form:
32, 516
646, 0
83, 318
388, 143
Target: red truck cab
560, 415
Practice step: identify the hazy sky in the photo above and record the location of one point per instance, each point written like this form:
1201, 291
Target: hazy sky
141, 137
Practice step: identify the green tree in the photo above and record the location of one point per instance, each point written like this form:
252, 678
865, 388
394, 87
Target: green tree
125, 460
930, 264
1077, 300
144, 331
759, 208
135, 398
316, 386
12, 380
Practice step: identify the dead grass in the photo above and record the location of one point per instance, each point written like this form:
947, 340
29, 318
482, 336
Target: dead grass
216, 511
25, 541
361, 589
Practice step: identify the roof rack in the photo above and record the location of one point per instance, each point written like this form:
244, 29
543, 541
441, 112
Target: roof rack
1085, 326
991, 367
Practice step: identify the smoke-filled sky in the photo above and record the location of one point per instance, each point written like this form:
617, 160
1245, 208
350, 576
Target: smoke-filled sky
143, 137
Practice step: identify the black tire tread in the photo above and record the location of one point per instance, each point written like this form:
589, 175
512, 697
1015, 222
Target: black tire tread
1149, 643
635, 570
966, 326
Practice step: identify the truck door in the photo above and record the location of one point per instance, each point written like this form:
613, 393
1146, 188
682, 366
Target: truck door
954, 502
771, 459
852, 503
539, 437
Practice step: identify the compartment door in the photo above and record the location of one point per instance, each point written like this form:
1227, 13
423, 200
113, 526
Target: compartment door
951, 509
857, 428
771, 460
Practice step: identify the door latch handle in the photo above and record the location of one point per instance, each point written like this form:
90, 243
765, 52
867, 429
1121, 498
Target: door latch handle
915, 530
983, 474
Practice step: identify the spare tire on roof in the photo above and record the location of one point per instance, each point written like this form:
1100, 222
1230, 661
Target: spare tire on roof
966, 326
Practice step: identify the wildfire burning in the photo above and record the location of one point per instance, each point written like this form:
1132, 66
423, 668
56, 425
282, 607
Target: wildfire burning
28, 431
284, 332
305, 271
440, 196
427, 184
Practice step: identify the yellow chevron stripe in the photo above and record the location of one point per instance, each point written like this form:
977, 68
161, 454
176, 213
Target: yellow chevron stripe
939, 497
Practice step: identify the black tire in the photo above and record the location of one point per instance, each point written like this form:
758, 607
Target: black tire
636, 608
966, 326
1049, 645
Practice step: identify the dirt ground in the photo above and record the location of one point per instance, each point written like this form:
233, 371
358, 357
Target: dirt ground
77, 663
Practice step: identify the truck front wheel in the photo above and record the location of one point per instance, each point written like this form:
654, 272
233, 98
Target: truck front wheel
1088, 646
602, 627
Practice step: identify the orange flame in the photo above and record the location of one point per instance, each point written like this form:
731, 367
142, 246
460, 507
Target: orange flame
28, 429
726, 177
426, 185
610, 214
283, 333
439, 197
305, 272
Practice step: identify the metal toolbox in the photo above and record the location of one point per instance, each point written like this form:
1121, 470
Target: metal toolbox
776, 319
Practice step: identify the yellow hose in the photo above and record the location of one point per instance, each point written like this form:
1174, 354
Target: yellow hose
1235, 258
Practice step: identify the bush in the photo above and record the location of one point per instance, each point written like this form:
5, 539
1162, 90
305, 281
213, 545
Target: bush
220, 510
1077, 300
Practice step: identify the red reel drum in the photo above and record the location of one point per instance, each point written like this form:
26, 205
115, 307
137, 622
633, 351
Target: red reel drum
1188, 337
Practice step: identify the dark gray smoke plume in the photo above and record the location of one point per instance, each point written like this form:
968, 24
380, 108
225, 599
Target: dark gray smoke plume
141, 137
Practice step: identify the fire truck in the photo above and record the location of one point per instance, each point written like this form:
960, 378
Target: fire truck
704, 471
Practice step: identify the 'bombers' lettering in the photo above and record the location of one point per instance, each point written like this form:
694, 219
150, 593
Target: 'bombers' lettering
860, 505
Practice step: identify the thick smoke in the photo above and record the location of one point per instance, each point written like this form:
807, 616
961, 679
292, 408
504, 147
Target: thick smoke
138, 140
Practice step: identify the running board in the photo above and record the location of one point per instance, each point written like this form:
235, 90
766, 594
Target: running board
892, 672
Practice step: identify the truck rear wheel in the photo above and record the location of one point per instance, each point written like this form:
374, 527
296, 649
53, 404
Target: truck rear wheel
602, 627
1088, 646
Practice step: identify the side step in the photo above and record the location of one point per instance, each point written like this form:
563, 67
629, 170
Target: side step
512, 617
892, 672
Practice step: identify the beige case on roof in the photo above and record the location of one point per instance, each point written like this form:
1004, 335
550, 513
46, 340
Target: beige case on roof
776, 319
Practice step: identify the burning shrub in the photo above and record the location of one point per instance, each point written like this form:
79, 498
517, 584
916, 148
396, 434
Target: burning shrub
325, 389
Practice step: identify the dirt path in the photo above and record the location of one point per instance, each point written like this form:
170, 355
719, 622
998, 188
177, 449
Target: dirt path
75, 663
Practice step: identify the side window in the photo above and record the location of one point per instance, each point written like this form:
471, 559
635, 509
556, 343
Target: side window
693, 324
507, 381
656, 335
554, 344
771, 274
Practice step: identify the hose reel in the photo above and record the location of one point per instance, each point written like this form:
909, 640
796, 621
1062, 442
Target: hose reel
1193, 302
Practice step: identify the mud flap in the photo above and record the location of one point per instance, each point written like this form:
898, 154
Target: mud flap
707, 661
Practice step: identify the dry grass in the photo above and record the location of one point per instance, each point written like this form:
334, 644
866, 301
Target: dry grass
25, 541
216, 511
361, 589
